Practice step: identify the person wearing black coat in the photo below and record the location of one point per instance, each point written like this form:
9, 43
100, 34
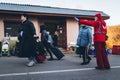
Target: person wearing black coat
26, 38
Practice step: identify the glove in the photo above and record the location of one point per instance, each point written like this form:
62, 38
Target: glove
77, 45
35, 35
77, 19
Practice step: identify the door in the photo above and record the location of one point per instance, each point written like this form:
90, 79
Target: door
61, 29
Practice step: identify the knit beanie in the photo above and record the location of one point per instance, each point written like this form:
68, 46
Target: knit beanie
98, 16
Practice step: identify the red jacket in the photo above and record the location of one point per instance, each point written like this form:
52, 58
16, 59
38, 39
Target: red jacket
99, 35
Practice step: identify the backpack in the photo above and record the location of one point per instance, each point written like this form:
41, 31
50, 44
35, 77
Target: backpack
50, 40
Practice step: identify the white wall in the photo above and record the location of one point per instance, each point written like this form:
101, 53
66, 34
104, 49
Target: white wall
36, 24
1, 30
72, 31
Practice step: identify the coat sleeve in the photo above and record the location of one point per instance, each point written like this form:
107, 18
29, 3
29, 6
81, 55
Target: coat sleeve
33, 31
90, 35
90, 23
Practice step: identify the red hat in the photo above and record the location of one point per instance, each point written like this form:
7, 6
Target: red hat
98, 16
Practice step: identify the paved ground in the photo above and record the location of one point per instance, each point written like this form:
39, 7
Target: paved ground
69, 68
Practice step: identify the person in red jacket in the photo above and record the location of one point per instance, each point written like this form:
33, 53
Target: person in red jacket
100, 31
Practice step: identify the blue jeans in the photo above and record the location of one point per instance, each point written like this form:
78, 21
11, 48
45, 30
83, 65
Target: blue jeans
31, 58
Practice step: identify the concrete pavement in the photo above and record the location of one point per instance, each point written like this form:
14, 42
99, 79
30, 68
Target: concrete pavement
14, 68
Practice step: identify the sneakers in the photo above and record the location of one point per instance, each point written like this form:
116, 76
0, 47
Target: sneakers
31, 63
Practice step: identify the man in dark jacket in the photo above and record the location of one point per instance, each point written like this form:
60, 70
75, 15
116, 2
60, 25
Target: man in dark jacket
27, 41
44, 40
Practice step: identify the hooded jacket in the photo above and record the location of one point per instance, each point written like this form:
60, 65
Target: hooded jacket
100, 29
84, 36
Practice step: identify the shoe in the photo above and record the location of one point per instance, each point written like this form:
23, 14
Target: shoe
80, 56
107, 68
50, 59
84, 63
31, 63
89, 58
88, 62
99, 68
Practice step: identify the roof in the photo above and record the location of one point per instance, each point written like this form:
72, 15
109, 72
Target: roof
49, 10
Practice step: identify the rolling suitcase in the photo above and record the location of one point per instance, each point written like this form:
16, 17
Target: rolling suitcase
57, 53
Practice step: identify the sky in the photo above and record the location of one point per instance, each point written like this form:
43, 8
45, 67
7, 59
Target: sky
110, 7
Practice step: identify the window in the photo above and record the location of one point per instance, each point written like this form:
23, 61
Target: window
11, 28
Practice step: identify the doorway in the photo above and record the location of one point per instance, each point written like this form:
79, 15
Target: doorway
52, 27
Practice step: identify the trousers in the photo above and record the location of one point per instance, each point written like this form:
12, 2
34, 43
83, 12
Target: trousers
101, 56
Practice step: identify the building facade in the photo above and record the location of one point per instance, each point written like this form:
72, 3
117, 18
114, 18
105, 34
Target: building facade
56, 19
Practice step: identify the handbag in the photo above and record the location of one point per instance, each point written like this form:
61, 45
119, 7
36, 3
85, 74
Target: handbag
78, 50
40, 58
40, 52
